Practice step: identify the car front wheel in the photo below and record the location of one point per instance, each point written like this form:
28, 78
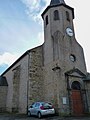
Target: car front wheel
39, 115
29, 114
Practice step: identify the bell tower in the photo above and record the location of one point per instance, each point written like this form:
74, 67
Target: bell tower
58, 23
64, 62
60, 42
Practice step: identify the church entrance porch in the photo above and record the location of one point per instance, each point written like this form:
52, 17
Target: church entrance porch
77, 99
76, 92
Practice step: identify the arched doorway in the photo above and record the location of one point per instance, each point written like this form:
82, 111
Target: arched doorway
76, 98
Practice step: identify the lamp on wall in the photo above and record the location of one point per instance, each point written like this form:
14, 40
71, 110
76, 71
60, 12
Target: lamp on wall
56, 68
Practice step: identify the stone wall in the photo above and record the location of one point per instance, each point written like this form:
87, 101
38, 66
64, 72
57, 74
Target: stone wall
55, 88
87, 87
17, 77
3, 97
25, 81
58, 48
16, 86
35, 86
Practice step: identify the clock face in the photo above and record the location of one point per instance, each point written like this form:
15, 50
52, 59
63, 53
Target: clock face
69, 31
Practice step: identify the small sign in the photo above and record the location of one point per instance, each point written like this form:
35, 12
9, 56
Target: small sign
64, 100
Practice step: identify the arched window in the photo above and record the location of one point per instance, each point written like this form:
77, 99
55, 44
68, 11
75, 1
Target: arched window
76, 85
56, 38
72, 58
46, 20
67, 16
56, 15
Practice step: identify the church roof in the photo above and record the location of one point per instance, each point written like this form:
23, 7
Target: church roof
56, 2
21, 57
3, 81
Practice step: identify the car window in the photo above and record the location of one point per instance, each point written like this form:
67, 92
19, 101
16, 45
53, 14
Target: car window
37, 104
33, 105
47, 105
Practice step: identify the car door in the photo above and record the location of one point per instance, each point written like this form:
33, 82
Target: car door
32, 109
36, 108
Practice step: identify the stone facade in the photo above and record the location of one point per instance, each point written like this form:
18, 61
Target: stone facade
25, 81
16, 84
35, 83
62, 55
3, 96
87, 87
17, 76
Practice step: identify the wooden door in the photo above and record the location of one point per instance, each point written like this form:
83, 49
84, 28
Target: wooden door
77, 104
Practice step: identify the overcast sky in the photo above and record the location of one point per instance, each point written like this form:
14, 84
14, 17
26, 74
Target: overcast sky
21, 27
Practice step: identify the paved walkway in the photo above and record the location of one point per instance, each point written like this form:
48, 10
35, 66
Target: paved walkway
24, 117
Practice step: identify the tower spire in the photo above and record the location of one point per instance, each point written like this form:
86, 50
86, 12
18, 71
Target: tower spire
56, 2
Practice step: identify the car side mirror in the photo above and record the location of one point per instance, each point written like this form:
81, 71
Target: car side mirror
31, 106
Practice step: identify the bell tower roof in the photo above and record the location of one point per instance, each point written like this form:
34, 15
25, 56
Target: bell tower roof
56, 2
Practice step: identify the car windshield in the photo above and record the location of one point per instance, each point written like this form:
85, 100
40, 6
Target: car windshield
47, 106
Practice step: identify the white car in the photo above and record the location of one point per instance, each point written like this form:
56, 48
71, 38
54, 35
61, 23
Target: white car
40, 109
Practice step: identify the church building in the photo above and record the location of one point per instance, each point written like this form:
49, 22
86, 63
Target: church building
54, 72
